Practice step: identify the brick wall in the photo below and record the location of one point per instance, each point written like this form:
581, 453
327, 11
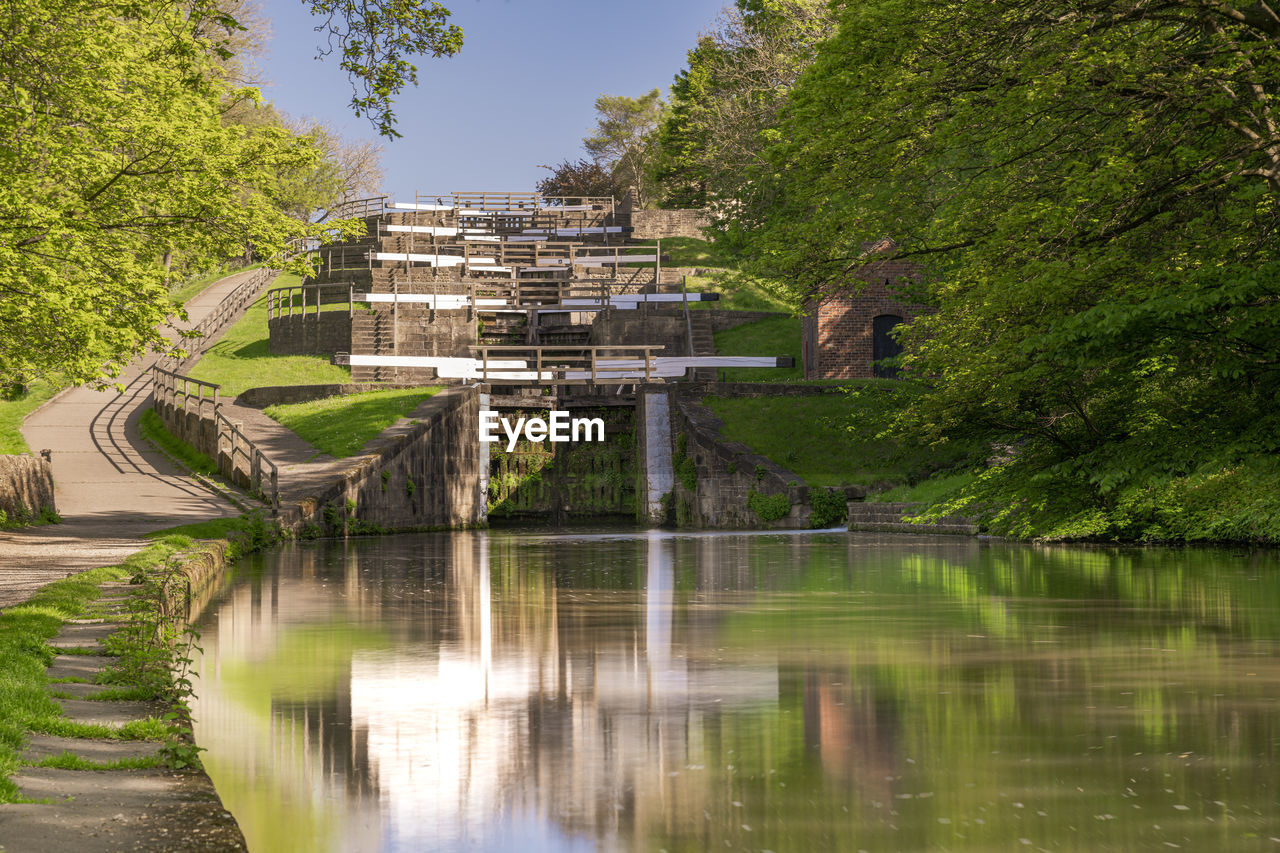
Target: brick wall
838, 328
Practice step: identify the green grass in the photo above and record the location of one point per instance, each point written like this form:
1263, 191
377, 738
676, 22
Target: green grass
71, 761
927, 491
692, 252
775, 336
340, 426
181, 291
153, 429
240, 360
13, 412
737, 293
217, 528
825, 451
25, 629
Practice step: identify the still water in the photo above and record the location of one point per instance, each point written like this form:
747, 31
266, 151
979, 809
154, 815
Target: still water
806, 692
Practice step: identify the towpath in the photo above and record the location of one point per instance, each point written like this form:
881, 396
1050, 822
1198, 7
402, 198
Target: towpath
111, 487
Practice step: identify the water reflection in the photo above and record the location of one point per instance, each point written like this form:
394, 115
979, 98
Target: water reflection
800, 692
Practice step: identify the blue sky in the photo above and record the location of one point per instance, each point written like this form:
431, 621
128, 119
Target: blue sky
520, 93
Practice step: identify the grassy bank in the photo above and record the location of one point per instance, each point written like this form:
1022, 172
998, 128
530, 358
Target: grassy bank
340, 426
775, 336
26, 705
239, 360
13, 412
153, 430
833, 439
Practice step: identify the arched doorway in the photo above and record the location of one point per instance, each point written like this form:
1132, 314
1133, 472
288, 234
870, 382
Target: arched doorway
883, 345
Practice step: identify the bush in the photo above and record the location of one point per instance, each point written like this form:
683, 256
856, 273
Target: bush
829, 508
768, 507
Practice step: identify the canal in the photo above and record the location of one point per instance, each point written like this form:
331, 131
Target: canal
802, 692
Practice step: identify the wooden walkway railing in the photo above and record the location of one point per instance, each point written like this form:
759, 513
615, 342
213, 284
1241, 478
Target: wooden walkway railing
296, 298
516, 365
237, 457
234, 452
201, 336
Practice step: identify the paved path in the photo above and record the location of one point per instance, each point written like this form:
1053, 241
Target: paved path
110, 485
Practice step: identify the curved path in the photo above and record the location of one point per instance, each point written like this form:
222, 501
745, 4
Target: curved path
111, 487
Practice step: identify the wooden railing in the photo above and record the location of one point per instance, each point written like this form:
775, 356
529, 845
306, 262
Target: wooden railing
565, 365
201, 336
234, 445
357, 208
170, 387
286, 301
173, 391
511, 201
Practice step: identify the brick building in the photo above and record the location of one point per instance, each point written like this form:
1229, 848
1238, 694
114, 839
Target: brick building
847, 332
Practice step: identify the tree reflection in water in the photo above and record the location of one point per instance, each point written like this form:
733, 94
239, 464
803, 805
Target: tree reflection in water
782, 692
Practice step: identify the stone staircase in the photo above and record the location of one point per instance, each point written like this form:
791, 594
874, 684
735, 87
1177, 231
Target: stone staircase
886, 517
704, 343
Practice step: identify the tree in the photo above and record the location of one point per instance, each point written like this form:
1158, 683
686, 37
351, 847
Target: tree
583, 179
116, 152
623, 138
344, 170
1093, 187
725, 104
374, 37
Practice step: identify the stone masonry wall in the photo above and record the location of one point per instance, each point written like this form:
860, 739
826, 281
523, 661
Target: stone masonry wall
726, 473
653, 326
427, 477
26, 485
416, 332
659, 224
838, 329
310, 334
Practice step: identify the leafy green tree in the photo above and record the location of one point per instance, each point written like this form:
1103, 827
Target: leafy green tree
624, 136
1092, 187
725, 104
374, 39
115, 154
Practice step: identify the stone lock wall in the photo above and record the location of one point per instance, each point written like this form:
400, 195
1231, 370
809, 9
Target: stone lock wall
428, 477
724, 474
310, 334
581, 479
417, 331
837, 330
26, 485
658, 224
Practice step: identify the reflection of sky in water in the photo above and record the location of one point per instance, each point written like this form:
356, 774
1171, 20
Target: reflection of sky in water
535, 692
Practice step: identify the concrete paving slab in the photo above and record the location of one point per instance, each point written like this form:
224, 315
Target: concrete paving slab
120, 810
78, 666
87, 633
108, 713
90, 749
78, 690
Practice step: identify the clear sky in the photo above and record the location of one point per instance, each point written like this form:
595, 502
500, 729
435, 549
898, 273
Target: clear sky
521, 91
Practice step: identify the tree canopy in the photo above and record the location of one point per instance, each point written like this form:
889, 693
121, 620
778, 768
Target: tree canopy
126, 140
1091, 186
